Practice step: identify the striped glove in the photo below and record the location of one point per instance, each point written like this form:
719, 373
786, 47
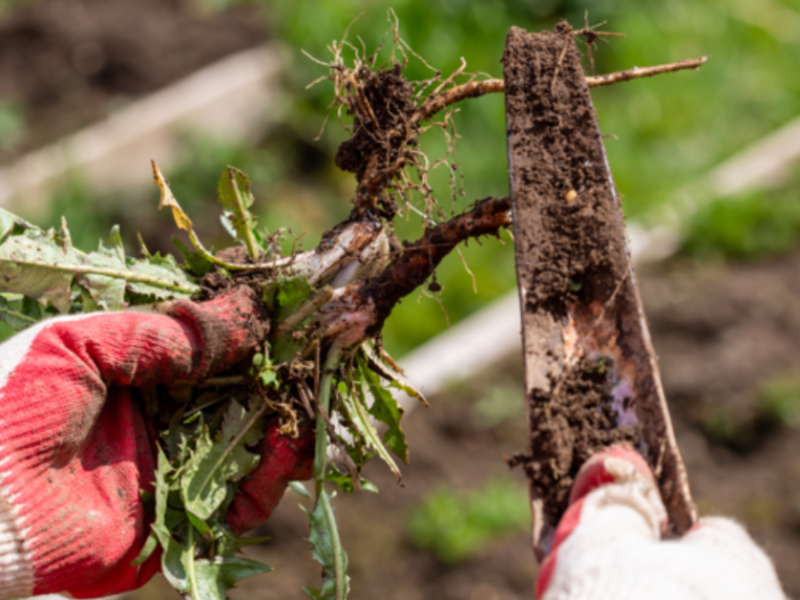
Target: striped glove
75, 449
608, 545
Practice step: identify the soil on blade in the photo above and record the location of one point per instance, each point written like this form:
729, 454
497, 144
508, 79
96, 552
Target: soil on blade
570, 255
577, 419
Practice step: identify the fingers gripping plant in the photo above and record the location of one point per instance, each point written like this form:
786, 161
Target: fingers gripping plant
322, 362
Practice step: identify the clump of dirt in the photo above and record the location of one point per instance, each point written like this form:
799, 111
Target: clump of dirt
576, 420
380, 106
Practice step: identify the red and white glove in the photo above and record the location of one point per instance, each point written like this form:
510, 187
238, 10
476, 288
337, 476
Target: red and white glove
75, 449
608, 545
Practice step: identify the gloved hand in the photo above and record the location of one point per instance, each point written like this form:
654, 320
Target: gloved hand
75, 449
608, 545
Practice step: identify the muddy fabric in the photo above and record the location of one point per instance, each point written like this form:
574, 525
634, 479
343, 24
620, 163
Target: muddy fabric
76, 447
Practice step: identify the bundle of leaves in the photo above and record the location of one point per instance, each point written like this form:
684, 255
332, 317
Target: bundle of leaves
322, 361
209, 429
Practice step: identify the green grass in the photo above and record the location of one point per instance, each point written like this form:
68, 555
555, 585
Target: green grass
779, 398
755, 225
456, 524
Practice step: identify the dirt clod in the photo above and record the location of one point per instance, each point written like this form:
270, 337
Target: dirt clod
381, 107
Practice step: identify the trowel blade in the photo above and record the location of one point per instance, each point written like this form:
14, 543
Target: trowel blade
584, 329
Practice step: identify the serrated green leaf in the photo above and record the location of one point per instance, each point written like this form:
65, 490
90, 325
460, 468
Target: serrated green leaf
214, 463
8, 223
159, 531
150, 544
37, 265
345, 481
291, 294
197, 263
284, 297
214, 576
169, 280
328, 551
357, 410
174, 559
298, 487
43, 265
389, 373
386, 410
106, 293
201, 526
264, 369
236, 199
14, 315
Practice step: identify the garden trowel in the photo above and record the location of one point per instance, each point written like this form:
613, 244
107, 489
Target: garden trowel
591, 376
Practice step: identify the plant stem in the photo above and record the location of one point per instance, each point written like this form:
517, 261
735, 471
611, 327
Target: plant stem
297, 317
639, 72
241, 205
320, 464
338, 555
321, 452
124, 275
17, 315
474, 89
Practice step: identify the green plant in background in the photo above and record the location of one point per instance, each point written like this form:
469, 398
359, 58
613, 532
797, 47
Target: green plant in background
779, 398
456, 524
500, 403
754, 225
12, 122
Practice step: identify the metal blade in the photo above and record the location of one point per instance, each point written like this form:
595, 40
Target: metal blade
591, 375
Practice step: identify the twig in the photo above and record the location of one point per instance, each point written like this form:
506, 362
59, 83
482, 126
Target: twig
472, 89
639, 72
475, 89
558, 66
418, 260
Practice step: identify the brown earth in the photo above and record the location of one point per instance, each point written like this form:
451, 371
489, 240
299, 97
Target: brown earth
67, 63
720, 331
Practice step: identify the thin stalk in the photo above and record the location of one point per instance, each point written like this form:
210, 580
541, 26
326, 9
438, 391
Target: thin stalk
473, 89
124, 275
17, 315
324, 399
190, 568
297, 317
338, 551
241, 204
320, 464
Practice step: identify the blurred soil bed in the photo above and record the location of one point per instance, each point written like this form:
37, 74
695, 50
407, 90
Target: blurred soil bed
66, 63
728, 337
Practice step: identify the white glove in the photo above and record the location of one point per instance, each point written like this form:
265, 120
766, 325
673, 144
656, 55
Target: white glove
608, 544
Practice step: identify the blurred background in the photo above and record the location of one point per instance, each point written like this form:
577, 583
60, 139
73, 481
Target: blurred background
706, 163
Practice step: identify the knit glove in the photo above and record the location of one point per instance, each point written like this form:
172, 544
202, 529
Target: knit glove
609, 545
75, 449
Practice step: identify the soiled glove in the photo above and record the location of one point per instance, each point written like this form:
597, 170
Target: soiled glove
608, 545
75, 449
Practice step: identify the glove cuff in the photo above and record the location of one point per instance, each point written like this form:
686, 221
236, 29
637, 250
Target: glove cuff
16, 570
